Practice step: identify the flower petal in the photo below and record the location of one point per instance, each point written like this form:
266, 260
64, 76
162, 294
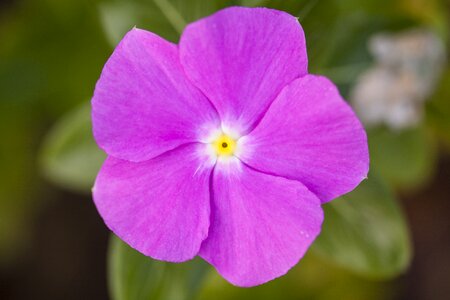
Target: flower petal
261, 225
159, 207
241, 58
143, 104
310, 134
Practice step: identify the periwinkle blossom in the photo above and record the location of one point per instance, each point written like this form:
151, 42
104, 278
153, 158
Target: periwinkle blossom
223, 146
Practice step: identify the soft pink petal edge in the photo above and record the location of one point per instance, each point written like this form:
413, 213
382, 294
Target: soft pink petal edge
241, 58
143, 104
159, 207
312, 135
261, 225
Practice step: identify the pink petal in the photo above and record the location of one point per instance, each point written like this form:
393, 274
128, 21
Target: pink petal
143, 104
261, 225
310, 134
159, 207
241, 58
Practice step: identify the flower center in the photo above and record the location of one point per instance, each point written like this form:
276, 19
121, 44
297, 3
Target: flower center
224, 145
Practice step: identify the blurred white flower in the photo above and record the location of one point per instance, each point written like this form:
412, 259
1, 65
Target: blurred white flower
407, 67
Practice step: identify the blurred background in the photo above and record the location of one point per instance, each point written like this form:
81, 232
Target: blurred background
388, 239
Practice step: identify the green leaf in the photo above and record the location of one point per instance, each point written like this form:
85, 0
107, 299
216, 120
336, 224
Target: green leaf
406, 159
18, 181
166, 18
337, 34
311, 279
133, 276
438, 109
118, 17
69, 154
366, 232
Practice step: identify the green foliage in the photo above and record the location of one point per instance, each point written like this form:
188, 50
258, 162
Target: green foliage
17, 181
164, 17
365, 231
405, 159
70, 156
438, 109
311, 279
133, 276
50, 56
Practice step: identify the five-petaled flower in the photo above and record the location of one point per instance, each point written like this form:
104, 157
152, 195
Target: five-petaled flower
223, 146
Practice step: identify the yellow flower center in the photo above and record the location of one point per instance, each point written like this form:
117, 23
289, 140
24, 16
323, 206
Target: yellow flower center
224, 145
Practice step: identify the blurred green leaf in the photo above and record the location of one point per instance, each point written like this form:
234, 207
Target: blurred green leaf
52, 57
366, 232
438, 109
133, 276
406, 159
311, 279
69, 154
118, 17
166, 18
18, 181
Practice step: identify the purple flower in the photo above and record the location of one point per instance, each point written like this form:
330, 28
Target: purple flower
223, 146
